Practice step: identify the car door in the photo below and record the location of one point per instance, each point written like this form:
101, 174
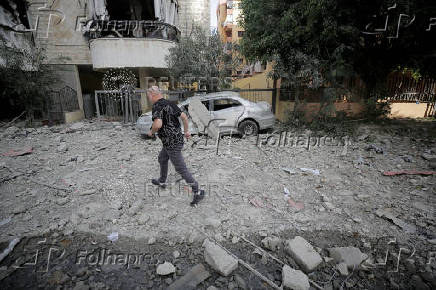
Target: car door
228, 109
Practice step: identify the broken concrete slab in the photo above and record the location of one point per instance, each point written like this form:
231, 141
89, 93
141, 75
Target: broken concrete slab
219, 259
202, 119
342, 268
294, 279
191, 279
351, 256
303, 253
388, 214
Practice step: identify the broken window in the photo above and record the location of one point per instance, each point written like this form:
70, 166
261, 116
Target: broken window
132, 18
222, 104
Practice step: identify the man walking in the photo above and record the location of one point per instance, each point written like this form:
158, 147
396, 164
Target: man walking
167, 125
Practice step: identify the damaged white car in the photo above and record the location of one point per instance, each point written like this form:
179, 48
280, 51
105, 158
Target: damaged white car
235, 114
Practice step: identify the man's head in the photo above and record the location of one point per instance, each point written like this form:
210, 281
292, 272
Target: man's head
154, 94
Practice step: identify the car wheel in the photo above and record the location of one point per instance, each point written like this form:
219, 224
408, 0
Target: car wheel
248, 128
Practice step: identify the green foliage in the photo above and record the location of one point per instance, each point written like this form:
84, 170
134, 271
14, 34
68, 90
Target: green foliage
24, 80
376, 110
200, 56
314, 41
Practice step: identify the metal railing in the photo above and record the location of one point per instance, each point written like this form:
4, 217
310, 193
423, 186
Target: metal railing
95, 29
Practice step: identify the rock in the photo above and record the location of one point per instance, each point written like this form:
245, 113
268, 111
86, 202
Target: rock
428, 157
176, 254
212, 222
342, 268
62, 201
407, 158
418, 284
219, 259
63, 147
328, 205
432, 164
373, 147
212, 288
241, 282
124, 157
271, 243
88, 192
350, 255
165, 269
303, 253
76, 127
191, 279
151, 240
81, 286
235, 239
294, 279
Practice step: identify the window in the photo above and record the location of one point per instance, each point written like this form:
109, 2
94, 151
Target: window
222, 104
241, 33
185, 108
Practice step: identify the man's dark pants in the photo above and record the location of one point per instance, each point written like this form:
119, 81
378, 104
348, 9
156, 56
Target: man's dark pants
175, 155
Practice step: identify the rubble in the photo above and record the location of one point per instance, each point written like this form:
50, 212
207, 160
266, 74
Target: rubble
271, 243
294, 279
9, 249
165, 269
219, 259
303, 253
351, 256
191, 279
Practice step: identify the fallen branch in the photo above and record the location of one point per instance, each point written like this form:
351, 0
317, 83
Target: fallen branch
13, 120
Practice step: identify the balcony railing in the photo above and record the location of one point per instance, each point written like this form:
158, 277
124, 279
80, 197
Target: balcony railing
131, 29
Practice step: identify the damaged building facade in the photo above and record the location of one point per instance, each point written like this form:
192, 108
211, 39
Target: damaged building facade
84, 39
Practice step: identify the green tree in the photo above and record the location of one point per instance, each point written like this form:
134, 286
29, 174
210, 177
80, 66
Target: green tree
315, 41
200, 57
24, 79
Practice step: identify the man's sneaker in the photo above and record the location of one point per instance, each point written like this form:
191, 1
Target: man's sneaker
197, 198
157, 182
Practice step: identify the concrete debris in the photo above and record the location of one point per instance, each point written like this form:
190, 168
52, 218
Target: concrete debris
303, 253
289, 170
294, 279
342, 268
212, 288
18, 152
219, 259
63, 147
151, 240
408, 172
9, 249
310, 170
5, 221
389, 215
192, 279
351, 256
428, 157
113, 237
88, 192
372, 147
271, 243
201, 118
165, 269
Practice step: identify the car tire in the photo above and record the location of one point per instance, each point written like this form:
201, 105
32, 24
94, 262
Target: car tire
248, 128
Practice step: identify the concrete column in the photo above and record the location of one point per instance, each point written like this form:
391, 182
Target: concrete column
143, 85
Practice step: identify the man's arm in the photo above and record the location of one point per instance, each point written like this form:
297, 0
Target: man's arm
185, 125
157, 124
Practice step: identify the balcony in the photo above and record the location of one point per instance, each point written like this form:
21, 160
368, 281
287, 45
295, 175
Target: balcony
133, 44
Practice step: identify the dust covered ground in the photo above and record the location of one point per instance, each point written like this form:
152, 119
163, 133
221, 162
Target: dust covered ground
85, 181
